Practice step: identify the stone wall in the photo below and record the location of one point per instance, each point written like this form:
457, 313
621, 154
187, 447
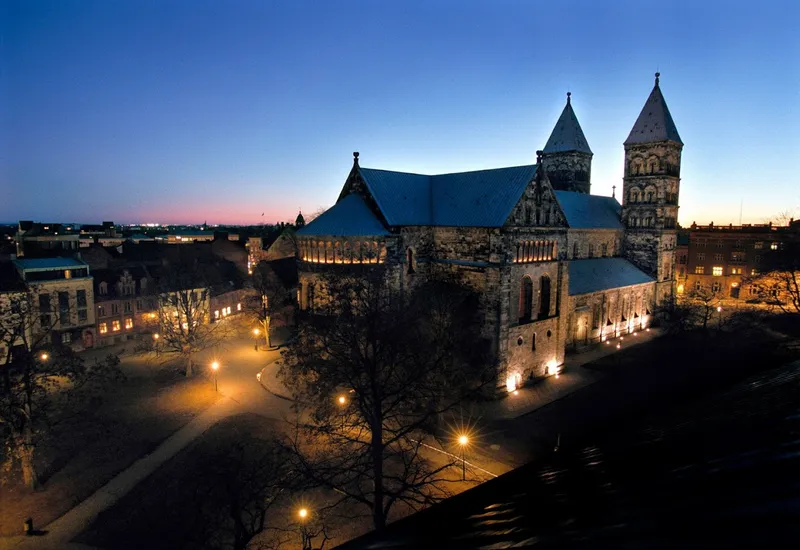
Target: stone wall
588, 243
589, 314
569, 171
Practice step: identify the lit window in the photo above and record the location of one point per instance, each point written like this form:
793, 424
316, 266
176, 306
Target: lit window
238, 307
716, 287
754, 272
115, 326
773, 246
717, 270
758, 245
103, 328
216, 314
736, 271
699, 269
128, 323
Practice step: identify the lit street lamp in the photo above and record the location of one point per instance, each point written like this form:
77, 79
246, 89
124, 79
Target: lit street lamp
302, 513
44, 356
156, 336
215, 368
463, 441
256, 332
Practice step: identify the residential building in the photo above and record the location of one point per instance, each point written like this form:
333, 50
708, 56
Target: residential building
125, 304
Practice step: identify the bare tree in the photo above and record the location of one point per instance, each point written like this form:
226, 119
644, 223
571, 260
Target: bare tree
779, 281
183, 322
376, 370
316, 213
39, 377
273, 303
705, 305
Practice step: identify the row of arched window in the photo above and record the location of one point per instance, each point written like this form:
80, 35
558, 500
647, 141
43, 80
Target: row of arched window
535, 251
343, 252
639, 166
648, 195
526, 298
644, 221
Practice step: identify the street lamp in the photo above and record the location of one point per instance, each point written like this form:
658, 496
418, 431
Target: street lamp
302, 513
342, 400
44, 356
215, 368
463, 441
156, 336
256, 332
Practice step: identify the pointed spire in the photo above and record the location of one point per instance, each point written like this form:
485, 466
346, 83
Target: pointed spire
567, 134
655, 121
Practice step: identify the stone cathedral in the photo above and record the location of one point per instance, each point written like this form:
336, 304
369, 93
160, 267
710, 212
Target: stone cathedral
557, 267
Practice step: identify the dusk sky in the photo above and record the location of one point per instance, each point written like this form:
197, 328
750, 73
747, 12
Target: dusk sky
185, 112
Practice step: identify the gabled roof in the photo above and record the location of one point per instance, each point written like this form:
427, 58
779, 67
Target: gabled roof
483, 198
349, 217
589, 211
567, 134
655, 121
602, 274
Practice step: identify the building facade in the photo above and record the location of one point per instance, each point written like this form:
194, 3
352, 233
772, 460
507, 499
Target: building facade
555, 266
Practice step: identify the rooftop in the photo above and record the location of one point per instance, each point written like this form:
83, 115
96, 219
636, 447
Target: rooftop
655, 121
595, 274
589, 211
567, 134
42, 264
349, 217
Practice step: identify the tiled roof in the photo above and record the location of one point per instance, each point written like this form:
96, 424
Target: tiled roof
48, 263
589, 211
483, 198
349, 216
655, 121
567, 134
596, 274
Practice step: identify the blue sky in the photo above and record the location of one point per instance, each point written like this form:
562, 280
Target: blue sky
191, 111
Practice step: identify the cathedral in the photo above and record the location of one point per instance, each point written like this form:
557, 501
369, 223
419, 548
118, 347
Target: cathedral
557, 268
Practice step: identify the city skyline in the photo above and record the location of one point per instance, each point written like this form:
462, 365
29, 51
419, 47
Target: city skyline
194, 112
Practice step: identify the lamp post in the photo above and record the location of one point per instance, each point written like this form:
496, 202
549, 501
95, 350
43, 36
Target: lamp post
256, 332
463, 441
342, 402
719, 318
44, 356
302, 513
215, 368
156, 336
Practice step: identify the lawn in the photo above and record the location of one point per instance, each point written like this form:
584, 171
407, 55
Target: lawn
85, 451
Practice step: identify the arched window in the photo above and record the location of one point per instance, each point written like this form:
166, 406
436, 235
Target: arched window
526, 300
533, 342
591, 251
603, 250
650, 195
634, 195
357, 252
632, 221
337, 252
517, 257
410, 261
382, 252
575, 251
544, 297
348, 253
648, 221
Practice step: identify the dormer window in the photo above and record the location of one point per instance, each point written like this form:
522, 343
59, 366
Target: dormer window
103, 288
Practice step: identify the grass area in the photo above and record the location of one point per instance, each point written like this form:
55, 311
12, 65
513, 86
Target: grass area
85, 451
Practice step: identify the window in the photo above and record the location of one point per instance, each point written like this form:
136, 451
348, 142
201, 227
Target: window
101, 311
716, 270
717, 257
103, 328
44, 302
526, 300
716, 287
699, 269
239, 307
83, 315
720, 244
758, 245
115, 325
736, 271
649, 196
66, 338
63, 308
544, 297
633, 221
737, 256
604, 250
128, 323
216, 314
701, 256
114, 309
682, 259
701, 243
81, 298
753, 272
575, 250
591, 251
773, 246
102, 288
648, 221
634, 195
698, 286
410, 260
128, 307
533, 342
681, 271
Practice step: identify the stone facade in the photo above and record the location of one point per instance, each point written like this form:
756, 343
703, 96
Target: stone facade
569, 171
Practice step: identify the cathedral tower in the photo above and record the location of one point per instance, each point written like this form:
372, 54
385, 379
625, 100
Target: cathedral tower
567, 158
650, 191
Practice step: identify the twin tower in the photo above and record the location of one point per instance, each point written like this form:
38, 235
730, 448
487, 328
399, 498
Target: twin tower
651, 180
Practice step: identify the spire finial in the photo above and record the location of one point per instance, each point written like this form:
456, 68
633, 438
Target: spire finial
568, 96
657, 75
355, 158
538, 157
613, 191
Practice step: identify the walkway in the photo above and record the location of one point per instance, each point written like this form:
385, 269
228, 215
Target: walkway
571, 378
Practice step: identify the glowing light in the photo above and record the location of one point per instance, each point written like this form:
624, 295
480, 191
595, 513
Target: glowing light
256, 332
303, 513
512, 382
719, 308
516, 392
44, 356
618, 346
463, 440
608, 343
648, 329
156, 336
552, 367
342, 399
215, 365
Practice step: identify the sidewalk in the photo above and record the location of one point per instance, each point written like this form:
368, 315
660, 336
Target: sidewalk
61, 531
571, 378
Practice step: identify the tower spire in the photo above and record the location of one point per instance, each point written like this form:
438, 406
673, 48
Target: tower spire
658, 74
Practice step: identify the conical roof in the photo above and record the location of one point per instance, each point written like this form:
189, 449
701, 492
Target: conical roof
567, 134
654, 122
